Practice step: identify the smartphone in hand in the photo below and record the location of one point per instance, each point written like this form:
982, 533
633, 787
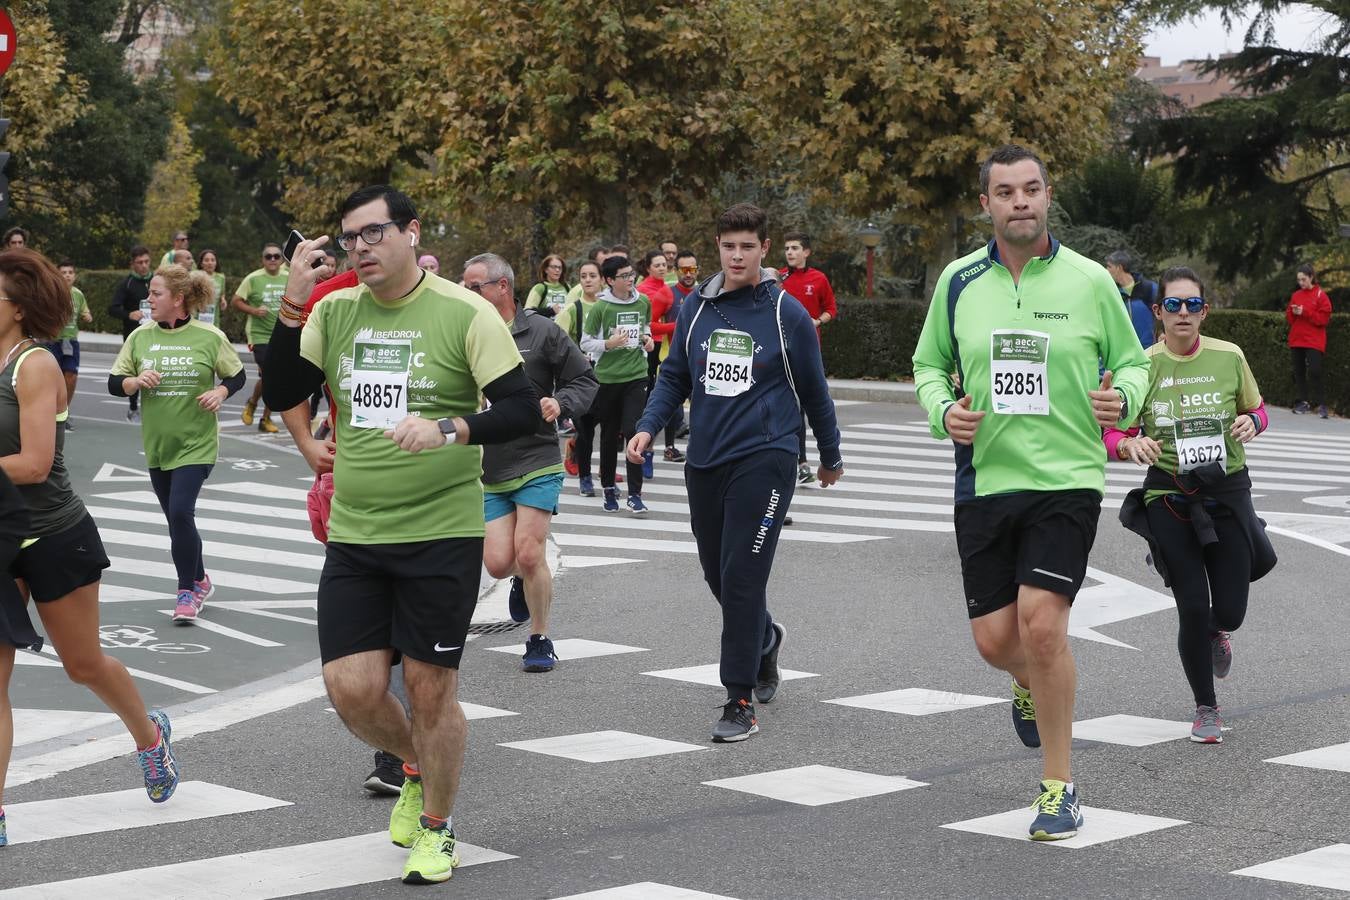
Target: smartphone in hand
292, 242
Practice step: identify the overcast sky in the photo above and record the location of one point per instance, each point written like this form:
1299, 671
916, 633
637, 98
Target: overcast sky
1295, 28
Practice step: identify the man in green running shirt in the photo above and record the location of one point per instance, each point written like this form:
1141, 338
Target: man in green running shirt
1024, 323
406, 355
259, 297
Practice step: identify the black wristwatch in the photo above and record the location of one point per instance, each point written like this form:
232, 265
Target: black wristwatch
1124, 404
447, 427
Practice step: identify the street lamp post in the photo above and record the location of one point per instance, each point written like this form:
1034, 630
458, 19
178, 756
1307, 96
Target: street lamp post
870, 235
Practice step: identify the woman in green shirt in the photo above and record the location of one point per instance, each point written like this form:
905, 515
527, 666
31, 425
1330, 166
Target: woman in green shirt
210, 264
174, 365
550, 295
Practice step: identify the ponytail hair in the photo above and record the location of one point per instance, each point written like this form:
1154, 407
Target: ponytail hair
196, 287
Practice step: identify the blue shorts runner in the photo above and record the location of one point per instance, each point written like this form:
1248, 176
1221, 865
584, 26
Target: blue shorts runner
538, 493
67, 353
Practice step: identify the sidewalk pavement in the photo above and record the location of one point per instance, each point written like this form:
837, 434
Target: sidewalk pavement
840, 388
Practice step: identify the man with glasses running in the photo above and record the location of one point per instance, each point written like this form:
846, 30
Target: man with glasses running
407, 355
1024, 322
259, 297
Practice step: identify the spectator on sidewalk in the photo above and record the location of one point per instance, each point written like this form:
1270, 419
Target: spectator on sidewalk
1308, 313
1138, 293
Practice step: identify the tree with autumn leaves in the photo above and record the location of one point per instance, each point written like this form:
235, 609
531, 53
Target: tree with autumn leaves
581, 114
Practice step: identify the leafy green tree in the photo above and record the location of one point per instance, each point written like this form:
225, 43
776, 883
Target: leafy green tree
84, 188
1269, 170
173, 198
891, 105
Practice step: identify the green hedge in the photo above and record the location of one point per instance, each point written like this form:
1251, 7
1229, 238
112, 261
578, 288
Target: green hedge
875, 339
98, 286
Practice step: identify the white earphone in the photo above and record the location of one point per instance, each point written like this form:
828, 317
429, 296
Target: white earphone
412, 240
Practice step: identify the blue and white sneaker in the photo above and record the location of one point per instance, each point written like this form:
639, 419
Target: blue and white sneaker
636, 506
1024, 716
1057, 814
4, 839
539, 655
158, 763
515, 601
647, 470
611, 499
587, 486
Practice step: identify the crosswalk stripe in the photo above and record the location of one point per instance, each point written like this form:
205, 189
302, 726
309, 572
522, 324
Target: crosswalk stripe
187, 686
45, 820
212, 550
260, 490
804, 498
226, 631
290, 513
223, 577
814, 518
613, 520
207, 523
626, 522
590, 540
256, 875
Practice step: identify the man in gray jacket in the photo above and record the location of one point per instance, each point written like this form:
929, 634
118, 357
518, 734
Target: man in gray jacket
523, 478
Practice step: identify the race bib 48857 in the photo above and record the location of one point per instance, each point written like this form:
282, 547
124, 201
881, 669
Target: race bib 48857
379, 395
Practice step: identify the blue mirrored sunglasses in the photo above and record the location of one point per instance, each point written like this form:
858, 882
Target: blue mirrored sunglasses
1193, 304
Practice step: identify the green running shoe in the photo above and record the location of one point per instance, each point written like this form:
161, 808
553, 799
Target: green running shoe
403, 821
433, 857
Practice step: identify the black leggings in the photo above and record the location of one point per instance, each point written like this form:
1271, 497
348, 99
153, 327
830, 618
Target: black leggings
1210, 590
177, 490
1307, 367
585, 442
617, 408
736, 512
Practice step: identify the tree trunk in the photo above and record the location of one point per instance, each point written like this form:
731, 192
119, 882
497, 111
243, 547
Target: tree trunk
948, 247
616, 215
541, 212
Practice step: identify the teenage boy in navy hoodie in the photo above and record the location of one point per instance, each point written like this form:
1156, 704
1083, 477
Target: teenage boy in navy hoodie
746, 355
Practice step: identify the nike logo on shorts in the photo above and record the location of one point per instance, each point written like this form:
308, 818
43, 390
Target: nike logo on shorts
439, 649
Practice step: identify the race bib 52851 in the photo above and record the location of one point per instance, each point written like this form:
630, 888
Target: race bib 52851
1018, 361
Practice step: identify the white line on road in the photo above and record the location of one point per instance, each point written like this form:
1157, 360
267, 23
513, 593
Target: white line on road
226, 631
223, 577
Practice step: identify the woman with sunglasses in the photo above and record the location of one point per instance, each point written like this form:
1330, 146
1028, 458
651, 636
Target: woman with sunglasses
1195, 506
549, 296
61, 559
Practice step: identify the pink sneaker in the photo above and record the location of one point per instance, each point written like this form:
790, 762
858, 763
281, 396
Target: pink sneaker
187, 607
202, 590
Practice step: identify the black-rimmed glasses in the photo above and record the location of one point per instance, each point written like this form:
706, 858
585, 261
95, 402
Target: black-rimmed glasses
371, 234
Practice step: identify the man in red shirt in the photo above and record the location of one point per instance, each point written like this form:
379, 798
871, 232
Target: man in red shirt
812, 290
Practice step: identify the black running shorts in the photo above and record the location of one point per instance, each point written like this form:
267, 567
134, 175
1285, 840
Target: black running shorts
59, 564
416, 598
1037, 538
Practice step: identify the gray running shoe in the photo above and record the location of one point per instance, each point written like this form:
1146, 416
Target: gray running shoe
738, 722
1221, 652
1207, 727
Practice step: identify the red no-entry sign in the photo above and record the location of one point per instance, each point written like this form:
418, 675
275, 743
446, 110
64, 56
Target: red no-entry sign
8, 41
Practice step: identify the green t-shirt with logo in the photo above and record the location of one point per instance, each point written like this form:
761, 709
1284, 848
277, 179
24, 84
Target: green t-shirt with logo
191, 359
550, 294
433, 350
78, 307
1191, 404
260, 289
605, 318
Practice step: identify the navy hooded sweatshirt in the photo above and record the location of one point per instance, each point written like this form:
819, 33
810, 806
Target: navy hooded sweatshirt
767, 416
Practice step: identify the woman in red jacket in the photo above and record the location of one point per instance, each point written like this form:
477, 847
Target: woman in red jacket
1308, 313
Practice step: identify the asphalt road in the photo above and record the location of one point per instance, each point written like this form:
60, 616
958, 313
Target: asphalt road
869, 590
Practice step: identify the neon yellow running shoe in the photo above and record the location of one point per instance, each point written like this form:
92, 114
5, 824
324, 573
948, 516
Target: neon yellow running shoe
433, 857
404, 820
250, 407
